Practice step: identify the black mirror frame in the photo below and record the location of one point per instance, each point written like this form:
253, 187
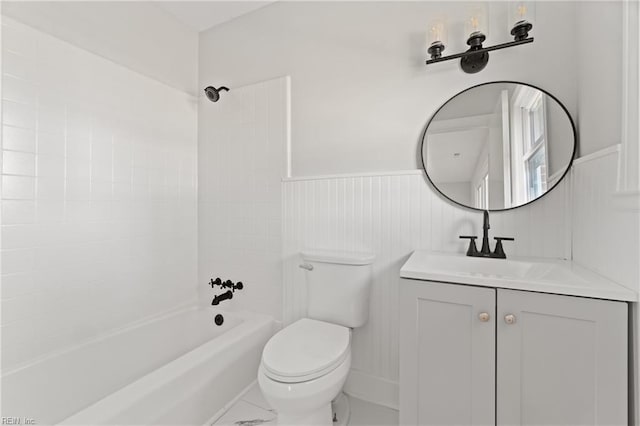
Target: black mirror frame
573, 154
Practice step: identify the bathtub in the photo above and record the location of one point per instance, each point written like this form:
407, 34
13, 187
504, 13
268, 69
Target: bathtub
179, 368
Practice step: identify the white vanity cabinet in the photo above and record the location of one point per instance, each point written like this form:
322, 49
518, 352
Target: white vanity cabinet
447, 354
490, 356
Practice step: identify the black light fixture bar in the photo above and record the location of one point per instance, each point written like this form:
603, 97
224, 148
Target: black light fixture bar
480, 51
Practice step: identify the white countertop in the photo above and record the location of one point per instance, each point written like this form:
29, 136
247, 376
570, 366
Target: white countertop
528, 274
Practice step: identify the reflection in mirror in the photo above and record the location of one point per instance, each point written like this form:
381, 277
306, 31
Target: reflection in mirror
498, 145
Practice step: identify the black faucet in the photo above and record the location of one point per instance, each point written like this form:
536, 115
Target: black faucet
228, 284
224, 296
485, 251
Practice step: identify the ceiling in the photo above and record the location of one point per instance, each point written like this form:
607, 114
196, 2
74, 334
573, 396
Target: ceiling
442, 162
202, 15
478, 101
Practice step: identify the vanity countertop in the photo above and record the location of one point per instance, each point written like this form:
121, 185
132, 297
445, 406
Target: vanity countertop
528, 274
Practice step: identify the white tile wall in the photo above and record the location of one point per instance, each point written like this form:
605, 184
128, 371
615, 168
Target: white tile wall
242, 159
605, 236
98, 195
392, 215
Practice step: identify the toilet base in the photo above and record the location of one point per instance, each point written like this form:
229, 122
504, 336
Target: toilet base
320, 417
341, 410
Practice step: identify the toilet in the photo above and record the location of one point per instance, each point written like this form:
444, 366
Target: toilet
305, 365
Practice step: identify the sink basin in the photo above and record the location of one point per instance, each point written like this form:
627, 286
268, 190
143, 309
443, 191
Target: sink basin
548, 276
463, 265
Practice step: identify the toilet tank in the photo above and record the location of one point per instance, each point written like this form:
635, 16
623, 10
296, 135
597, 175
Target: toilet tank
338, 286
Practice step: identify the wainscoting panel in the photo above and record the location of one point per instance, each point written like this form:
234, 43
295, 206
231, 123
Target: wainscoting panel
392, 215
606, 230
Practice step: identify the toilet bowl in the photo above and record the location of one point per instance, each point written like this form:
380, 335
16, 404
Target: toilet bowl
305, 365
303, 368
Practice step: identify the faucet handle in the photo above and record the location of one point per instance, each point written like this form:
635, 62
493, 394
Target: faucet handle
472, 250
499, 251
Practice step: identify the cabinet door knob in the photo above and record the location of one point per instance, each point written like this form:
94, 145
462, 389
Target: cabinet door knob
484, 316
510, 319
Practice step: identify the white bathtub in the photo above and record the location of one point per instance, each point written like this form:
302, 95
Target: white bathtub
179, 368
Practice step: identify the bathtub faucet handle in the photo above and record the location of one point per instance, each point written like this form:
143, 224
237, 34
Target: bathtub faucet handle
226, 284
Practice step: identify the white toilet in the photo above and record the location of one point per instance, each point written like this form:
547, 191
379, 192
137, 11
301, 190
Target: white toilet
305, 365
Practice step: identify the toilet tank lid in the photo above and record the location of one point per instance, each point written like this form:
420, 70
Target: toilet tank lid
338, 257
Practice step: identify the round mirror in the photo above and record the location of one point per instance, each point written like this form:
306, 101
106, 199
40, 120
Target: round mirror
498, 146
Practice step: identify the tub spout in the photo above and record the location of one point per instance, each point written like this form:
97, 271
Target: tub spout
221, 297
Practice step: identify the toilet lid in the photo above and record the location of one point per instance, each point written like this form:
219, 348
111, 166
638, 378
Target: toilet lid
305, 348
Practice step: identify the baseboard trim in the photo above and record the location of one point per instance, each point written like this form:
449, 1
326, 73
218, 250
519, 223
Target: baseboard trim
372, 389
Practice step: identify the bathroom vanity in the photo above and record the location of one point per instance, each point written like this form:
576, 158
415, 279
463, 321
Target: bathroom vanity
507, 342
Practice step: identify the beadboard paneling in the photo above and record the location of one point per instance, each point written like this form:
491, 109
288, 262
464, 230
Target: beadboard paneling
392, 215
606, 234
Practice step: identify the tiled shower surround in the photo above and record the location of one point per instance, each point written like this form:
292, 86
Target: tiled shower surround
242, 159
98, 195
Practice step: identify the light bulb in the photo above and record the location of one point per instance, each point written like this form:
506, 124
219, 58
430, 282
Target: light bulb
437, 32
477, 19
521, 17
521, 11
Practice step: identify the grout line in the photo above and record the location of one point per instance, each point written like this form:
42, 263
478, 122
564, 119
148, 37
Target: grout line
270, 410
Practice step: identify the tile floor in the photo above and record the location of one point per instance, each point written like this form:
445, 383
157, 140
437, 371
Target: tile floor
252, 410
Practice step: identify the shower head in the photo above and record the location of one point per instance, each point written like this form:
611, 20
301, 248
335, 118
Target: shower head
213, 94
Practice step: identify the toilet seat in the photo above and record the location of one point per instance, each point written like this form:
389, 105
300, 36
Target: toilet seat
305, 350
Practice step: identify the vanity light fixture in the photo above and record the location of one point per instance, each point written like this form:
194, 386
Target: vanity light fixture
475, 59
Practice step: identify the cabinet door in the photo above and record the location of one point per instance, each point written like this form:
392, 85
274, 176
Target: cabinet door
447, 354
561, 360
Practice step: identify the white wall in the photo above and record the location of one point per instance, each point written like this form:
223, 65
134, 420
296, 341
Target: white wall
599, 75
392, 215
98, 195
138, 35
361, 93
242, 145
